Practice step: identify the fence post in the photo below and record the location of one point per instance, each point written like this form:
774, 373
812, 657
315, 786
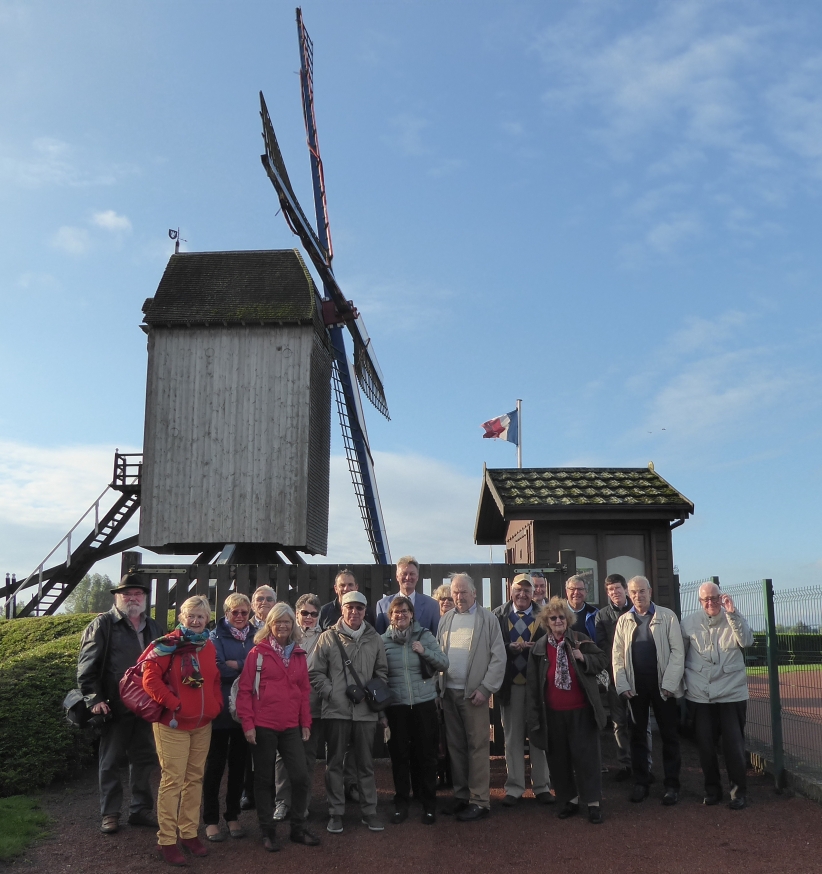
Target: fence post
773, 686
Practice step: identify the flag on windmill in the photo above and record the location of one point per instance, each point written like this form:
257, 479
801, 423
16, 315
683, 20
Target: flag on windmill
503, 428
508, 428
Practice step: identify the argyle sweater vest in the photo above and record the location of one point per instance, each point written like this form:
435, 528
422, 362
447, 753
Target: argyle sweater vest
520, 628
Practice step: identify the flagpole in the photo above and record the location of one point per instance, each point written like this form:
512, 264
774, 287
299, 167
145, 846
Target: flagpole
519, 432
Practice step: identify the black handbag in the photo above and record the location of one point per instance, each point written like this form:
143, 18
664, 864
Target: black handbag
76, 710
375, 692
425, 669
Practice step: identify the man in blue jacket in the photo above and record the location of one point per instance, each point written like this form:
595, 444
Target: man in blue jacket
576, 592
426, 609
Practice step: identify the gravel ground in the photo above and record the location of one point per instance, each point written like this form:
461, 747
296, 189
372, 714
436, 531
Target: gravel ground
777, 833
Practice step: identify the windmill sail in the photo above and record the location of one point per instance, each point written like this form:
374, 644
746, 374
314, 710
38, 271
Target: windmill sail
367, 370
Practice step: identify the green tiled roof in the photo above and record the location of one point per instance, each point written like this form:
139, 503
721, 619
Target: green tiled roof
219, 288
584, 486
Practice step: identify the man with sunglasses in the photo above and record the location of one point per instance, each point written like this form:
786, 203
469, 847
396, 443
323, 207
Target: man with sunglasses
717, 687
263, 599
352, 642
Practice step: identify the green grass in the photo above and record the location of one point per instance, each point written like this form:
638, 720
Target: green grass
22, 822
762, 670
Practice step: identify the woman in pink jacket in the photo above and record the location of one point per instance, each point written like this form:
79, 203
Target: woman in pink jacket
273, 706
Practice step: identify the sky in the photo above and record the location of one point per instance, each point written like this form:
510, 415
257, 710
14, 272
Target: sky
607, 209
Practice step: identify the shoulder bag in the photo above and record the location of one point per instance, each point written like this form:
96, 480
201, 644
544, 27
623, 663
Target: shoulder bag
375, 692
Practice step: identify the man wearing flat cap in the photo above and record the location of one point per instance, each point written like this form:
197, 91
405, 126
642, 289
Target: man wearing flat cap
351, 643
520, 629
111, 644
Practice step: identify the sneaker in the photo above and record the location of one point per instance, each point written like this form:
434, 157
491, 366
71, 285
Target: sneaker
281, 811
335, 825
374, 824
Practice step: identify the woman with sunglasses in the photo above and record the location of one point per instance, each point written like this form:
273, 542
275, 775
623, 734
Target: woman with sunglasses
307, 610
563, 711
233, 638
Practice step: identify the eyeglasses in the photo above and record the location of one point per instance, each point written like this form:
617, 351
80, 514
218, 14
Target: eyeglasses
576, 589
557, 619
354, 606
259, 599
403, 612
714, 599
445, 600
239, 612
306, 613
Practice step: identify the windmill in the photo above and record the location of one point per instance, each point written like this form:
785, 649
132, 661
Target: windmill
339, 314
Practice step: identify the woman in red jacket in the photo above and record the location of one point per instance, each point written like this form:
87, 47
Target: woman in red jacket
273, 706
180, 672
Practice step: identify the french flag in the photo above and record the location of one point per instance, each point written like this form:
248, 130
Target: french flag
503, 428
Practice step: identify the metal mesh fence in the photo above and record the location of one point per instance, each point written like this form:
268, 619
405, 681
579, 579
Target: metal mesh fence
798, 623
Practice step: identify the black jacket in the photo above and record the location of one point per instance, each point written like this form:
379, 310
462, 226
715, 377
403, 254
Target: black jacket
101, 682
605, 624
502, 613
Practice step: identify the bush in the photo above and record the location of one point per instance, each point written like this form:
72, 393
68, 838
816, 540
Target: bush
37, 745
22, 635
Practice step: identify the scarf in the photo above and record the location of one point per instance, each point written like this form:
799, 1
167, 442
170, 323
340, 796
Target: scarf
284, 652
349, 631
398, 636
239, 633
562, 674
185, 643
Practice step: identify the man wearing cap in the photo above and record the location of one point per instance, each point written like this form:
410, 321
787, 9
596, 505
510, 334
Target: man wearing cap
426, 609
520, 629
111, 644
345, 722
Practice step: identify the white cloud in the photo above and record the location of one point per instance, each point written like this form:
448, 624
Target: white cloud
428, 506
796, 106
72, 240
109, 220
666, 235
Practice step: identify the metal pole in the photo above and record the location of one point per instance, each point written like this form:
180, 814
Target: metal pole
773, 686
519, 433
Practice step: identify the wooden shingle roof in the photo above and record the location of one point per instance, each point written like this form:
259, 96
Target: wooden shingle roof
220, 288
568, 492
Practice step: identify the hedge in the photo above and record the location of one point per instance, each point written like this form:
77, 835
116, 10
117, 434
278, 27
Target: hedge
37, 745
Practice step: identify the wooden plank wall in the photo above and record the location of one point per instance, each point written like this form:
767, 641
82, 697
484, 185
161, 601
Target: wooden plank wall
226, 441
291, 581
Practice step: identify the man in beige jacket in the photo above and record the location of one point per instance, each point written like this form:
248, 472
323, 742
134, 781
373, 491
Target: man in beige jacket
471, 638
717, 685
648, 660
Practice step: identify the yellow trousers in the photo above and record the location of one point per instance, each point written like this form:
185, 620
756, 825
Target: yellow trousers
182, 756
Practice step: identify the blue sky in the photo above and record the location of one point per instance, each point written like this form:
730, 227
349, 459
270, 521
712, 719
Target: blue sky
608, 209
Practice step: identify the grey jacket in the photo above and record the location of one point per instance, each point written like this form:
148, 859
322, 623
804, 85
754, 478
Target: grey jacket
714, 660
404, 670
670, 652
486, 657
329, 678
101, 682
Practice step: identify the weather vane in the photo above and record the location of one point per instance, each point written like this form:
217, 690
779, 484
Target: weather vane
175, 235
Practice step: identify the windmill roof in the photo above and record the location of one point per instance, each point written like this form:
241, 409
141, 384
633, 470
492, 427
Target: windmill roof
219, 288
571, 492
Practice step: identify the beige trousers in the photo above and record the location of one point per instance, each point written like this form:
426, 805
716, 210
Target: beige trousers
182, 756
468, 734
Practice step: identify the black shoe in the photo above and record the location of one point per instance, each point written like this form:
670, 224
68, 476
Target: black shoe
638, 793
510, 801
738, 803
711, 800
400, 815
429, 818
143, 817
622, 775
472, 813
670, 798
247, 803
594, 814
300, 835
545, 798
270, 843
456, 808
570, 808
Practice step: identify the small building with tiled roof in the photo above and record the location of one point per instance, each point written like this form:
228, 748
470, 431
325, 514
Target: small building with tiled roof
614, 519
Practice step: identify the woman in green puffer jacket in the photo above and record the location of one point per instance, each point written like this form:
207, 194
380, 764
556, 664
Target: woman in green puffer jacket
414, 660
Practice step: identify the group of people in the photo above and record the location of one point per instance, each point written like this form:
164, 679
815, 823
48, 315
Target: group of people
262, 691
